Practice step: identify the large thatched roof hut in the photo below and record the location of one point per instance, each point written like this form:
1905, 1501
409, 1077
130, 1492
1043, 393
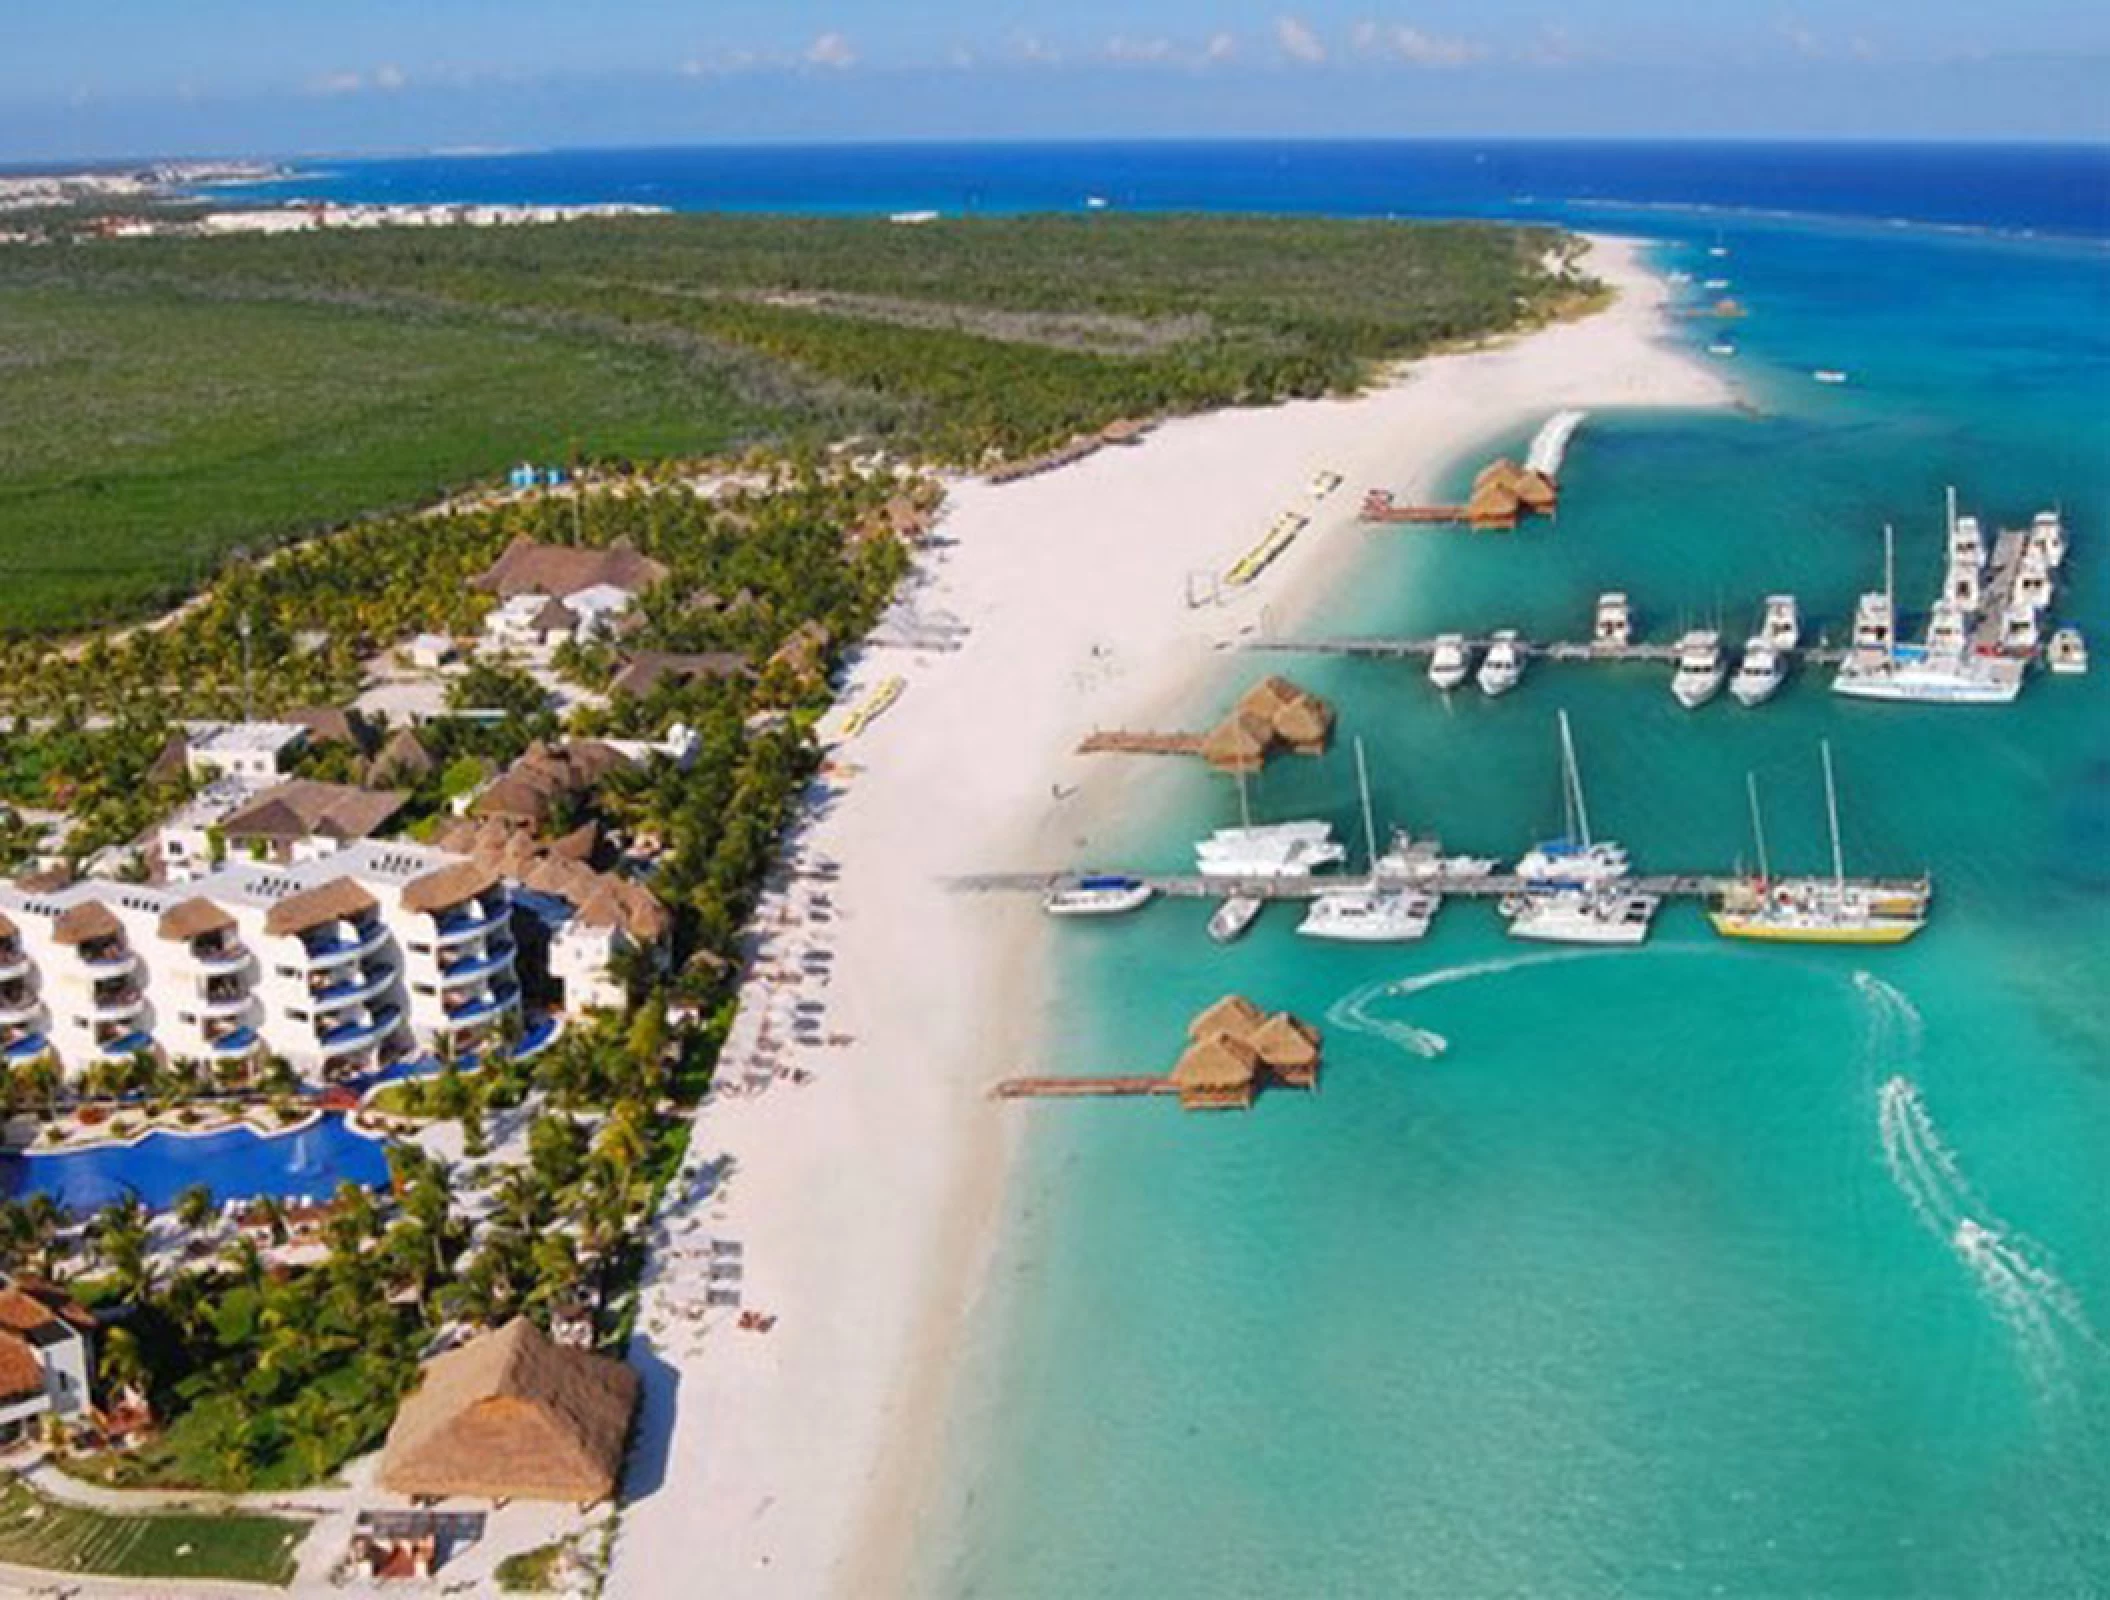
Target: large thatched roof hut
1237, 1049
1219, 1072
1273, 713
511, 1416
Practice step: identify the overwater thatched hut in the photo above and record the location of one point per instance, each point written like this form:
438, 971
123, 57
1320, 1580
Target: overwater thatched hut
1220, 1072
1233, 1014
1289, 1049
1239, 743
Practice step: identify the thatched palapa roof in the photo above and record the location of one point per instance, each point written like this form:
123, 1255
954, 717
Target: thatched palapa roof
189, 919
339, 900
1233, 1014
510, 1415
86, 922
449, 886
527, 567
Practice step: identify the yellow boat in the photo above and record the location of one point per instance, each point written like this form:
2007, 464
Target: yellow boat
1814, 930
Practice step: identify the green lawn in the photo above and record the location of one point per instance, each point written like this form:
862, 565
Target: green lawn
39, 1532
150, 431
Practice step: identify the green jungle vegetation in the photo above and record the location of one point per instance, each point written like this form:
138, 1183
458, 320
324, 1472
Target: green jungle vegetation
174, 400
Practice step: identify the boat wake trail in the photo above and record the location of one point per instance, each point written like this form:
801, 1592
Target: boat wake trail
1895, 1028
2012, 1273
1352, 1011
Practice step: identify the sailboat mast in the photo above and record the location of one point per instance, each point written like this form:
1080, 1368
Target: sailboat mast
1245, 810
1758, 828
1890, 592
1571, 778
1362, 783
1831, 810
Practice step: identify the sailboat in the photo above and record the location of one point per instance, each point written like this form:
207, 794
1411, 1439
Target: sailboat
1371, 912
1816, 910
1574, 860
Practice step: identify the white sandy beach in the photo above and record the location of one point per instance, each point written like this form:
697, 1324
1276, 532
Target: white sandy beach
863, 1200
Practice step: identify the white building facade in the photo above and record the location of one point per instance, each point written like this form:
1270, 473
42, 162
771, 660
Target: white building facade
338, 965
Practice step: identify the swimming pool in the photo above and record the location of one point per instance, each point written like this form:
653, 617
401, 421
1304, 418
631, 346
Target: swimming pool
237, 1162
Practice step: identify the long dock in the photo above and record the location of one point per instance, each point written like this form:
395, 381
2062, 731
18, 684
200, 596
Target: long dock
1080, 1088
1192, 886
1534, 649
1128, 742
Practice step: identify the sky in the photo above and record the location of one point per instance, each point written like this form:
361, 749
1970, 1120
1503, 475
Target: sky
112, 78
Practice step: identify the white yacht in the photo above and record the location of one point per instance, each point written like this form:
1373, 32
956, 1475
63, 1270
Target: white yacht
1370, 912
1097, 897
1782, 627
1610, 915
1615, 622
1451, 660
1230, 920
1947, 634
1758, 674
2019, 631
1721, 347
1412, 860
1966, 538
1829, 375
1700, 668
1716, 284
1502, 666
2047, 533
1873, 621
1574, 860
2068, 652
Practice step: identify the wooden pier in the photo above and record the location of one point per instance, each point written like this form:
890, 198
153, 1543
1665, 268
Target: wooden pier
1080, 1088
1126, 742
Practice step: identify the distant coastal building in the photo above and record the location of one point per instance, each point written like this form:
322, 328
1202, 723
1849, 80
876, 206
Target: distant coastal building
47, 1356
298, 820
512, 1416
249, 752
550, 593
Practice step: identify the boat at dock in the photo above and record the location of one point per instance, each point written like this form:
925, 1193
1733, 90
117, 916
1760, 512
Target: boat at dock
1574, 860
1372, 912
1229, 921
2068, 652
1104, 896
1614, 626
1701, 669
1412, 860
1503, 666
1759, 674
1951, 667
1817, 910
1450, 661
1782, 627
1269, 850
1609, 915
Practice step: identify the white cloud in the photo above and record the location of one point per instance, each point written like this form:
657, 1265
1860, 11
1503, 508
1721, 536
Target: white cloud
1396, 41
389, 77
338, 83
831, 49
1221, 47
1801, 38
1124, 48
1031, 47
1297, 40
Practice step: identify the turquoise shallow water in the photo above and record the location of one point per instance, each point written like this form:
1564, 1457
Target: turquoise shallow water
1700, 1270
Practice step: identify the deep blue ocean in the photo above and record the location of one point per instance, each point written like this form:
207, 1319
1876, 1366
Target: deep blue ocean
1701, 1270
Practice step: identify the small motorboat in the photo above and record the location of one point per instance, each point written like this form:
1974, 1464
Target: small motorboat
1700, 668
2068, 652
1829, 375
1230, 920
1450, 662
1502, 667
1758, 674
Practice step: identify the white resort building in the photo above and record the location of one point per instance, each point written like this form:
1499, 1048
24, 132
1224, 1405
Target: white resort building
338, 964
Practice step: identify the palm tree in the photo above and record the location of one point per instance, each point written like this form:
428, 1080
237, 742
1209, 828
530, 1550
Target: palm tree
119, 1362
194, 1208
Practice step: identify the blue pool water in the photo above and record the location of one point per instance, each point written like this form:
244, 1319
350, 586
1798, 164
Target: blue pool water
235, 1164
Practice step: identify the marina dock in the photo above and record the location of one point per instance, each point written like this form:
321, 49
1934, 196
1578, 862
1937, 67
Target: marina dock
1127, 742
1193, 886
1080, 1088
1542, 650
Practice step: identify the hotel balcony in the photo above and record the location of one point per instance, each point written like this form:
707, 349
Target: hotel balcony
13, 963
217, 954
234, 1042
345, 985
18, 1004
358, 1030
468, 1010
220, 1007
467, 964
342, 942
122, 1041
472, 918
105, 957
118, 1005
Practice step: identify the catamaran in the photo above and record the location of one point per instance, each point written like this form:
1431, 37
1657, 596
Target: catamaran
1609, 915
1574, 860
1817, 910
1700, 668
1411, 860
1101, 896
1372, 912
1502, 666
1758, 675
1267, 850
1451, 660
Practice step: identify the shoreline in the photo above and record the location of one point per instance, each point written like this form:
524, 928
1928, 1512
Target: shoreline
867, 1201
